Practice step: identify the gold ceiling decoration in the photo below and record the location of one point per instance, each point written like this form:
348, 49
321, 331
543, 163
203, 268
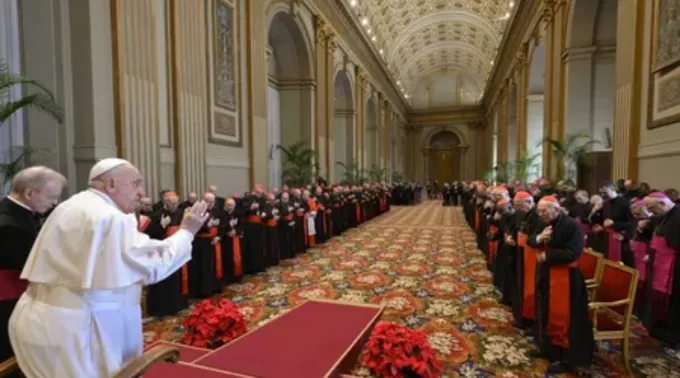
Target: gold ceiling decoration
418, 38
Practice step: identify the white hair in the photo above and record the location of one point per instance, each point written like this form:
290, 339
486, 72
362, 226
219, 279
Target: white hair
35, 178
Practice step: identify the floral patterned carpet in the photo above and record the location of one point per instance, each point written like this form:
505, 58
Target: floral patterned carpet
422, 264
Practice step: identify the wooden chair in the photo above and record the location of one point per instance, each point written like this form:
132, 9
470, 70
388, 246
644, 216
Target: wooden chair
134, 369
590, 265
611, 310
8, 366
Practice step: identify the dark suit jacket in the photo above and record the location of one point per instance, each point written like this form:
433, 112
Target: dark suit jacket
18, 230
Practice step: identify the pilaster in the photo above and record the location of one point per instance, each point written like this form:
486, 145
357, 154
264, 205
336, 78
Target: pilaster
330, 64
360, 116
387, 127
320, 39
522, 76
503, 124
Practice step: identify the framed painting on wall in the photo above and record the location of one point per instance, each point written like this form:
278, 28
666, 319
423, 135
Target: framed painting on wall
226, 127
664, 81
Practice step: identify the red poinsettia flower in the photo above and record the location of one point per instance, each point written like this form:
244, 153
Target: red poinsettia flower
394, 351
213, 323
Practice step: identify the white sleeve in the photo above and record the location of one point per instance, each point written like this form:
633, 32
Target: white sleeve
140, 258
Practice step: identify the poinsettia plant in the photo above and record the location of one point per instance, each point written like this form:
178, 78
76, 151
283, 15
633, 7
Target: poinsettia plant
395, 351
213, 323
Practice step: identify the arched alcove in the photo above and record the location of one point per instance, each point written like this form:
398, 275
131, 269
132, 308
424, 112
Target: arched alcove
591, 69
290, 90
371, 133
343, 123
535, 109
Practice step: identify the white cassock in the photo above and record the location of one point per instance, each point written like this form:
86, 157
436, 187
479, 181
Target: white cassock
81, 314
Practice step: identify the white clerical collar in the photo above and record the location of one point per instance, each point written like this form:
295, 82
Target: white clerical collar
20, 203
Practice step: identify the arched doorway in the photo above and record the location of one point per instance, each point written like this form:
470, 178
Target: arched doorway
535, 110
343, 125
444, 157
290, 91
590, 69
371, 134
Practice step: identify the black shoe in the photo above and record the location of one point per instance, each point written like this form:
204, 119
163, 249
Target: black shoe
537, 354
559, 368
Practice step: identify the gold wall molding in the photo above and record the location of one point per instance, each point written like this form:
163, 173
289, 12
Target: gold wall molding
330, 89
362, 52
445, 116
249, 94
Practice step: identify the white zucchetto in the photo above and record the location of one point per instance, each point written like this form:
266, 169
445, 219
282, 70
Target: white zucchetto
105, 165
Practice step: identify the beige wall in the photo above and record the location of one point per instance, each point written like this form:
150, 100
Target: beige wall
659, 148
137, 82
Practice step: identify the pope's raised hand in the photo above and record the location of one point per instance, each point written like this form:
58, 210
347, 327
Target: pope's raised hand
195, 217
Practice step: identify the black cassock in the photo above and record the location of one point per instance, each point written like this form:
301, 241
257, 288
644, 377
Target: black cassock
18, 230
205, 267
271, 234
253, 236
501, 268
564, 331
286, 230
232, 254
170, 295
299, 229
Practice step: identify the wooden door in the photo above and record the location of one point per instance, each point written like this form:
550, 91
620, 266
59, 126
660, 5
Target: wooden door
443, 166
596, 172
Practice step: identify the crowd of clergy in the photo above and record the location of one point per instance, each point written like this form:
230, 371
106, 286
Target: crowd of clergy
243, 234
534, 235
247, 233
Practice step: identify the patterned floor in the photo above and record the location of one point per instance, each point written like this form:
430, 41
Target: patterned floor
422, 264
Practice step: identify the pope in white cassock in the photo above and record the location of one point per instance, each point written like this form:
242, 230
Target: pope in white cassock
81, 315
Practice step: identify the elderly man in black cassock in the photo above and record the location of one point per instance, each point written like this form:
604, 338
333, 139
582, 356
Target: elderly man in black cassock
205, 267
34, 191
170, 295
565, 334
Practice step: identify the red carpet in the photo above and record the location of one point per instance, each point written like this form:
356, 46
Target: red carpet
315, 340
186, 353
183, 370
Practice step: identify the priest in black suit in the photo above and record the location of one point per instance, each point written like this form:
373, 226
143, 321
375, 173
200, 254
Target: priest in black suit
35, 191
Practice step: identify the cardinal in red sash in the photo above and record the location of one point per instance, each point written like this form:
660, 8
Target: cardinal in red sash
564, 332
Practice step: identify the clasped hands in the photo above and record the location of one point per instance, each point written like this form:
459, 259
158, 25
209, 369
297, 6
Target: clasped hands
544, 237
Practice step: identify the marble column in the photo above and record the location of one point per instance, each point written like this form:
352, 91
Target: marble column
319, 144
360, 117
502, 144
578, 69
330, 89
387, 137
464, 168
522, 78
628, 97
426, 164
535, 129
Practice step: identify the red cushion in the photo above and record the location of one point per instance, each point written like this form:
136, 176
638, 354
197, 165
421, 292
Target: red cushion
613, 286
588, 265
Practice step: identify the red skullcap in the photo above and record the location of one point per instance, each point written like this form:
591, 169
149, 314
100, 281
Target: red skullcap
259, 187
657, 195
522, 195
503, 201
552, 199
639, 203
235, 195
170, 194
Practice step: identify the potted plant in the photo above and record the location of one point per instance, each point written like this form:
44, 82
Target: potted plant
300, 164
572, 150
36, 97
213, 323
353, 174
525, 166
504, 171
397, 176
377, 174
395, 351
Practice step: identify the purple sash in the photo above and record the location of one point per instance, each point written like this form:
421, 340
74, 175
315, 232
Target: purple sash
640, 252
584, 226
664, 262
613, 245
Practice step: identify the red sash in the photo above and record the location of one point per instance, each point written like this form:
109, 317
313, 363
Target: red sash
217, 247
664, 264
559, 309
528, 305
238, 266
144, 223
171, 230
476, 219
493, 244
358, 208
11, 285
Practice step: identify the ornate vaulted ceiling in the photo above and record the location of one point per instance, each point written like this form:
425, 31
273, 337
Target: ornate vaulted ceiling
419, 39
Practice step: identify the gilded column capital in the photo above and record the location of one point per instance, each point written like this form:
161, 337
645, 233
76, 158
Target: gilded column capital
330, 43
549, 7
521, 56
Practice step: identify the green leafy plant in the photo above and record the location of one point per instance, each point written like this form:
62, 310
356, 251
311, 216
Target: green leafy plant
525, 166
353, 174
377, 174
38, 98
398, 176
490, 175
573, 150
300, 164
504, 171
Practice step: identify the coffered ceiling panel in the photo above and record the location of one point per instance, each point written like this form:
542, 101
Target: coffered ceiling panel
417, 38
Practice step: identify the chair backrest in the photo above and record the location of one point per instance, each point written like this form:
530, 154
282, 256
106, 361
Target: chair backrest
617, 282
590, 263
